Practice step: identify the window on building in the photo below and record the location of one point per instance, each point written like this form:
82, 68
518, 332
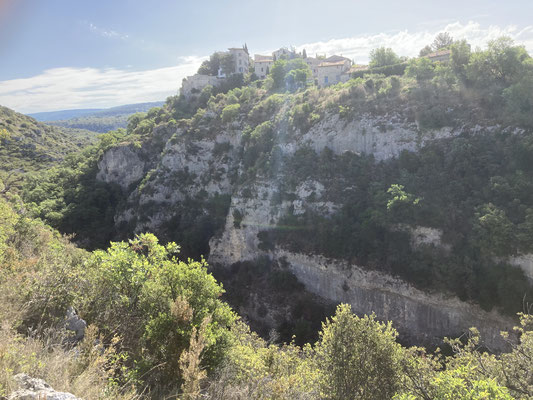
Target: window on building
240, 69
325, 79
261, 69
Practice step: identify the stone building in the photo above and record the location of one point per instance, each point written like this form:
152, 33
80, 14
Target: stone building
195, 83
241, 58
284, 52
262, 65
313, 65
333, 70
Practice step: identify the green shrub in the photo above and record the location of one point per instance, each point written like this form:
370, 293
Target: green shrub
359, 357
141, 292
230, 112
388, 70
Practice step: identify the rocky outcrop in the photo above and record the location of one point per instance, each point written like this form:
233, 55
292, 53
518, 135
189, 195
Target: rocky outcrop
206, 162
524, 262
121, 165
75, 324
419, 317
37, 389
384, 136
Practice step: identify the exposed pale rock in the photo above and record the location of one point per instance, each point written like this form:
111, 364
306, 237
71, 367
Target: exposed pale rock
37, 389
121, 165
370, 135
75, 323
416, 314
189, 165
525, 262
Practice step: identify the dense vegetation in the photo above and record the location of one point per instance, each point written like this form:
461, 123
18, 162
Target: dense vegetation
475, 188
158, 329
69, 197
27, 145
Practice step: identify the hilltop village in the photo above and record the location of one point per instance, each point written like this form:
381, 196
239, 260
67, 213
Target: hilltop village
325, 70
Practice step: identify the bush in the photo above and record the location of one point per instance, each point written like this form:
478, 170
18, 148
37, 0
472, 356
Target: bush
422, 69
358, 357
230, 112
388, 70
519, 102
141, 292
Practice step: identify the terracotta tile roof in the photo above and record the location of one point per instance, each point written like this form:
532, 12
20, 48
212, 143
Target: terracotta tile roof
439, 53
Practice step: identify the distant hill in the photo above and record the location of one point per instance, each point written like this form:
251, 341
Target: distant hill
28, 145
96, 120
63, 114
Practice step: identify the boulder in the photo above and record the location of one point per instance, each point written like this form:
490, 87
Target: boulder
37, 389
75, 323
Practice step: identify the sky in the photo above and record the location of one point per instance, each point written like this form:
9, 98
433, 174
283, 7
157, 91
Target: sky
68, 54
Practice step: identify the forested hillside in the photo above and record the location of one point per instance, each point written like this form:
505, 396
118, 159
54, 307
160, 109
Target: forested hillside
28, 146
405, 192
469, 177
158, 329
101, 121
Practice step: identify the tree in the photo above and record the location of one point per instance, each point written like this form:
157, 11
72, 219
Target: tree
230, 112
227, 64
290, 74
400, 202
425, 51
519, 101
134, 120
501, 65
382, 56
460, 57
358, 358
211, 66
4, 134
422, 69
139, 290
495, 233
442, 41
277, 72
459, 383
304, 54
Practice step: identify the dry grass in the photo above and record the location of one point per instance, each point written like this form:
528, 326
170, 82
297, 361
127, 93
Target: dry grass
84, 370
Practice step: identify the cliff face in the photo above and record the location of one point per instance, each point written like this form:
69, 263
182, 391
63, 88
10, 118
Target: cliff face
204, 167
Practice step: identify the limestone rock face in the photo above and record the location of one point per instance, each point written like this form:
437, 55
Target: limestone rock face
383, 137
418, 316
37, 389
207, 162
121, 165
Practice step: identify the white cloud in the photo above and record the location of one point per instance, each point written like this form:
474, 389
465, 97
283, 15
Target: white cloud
408, 43
108, 33
65, 88
69, 88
